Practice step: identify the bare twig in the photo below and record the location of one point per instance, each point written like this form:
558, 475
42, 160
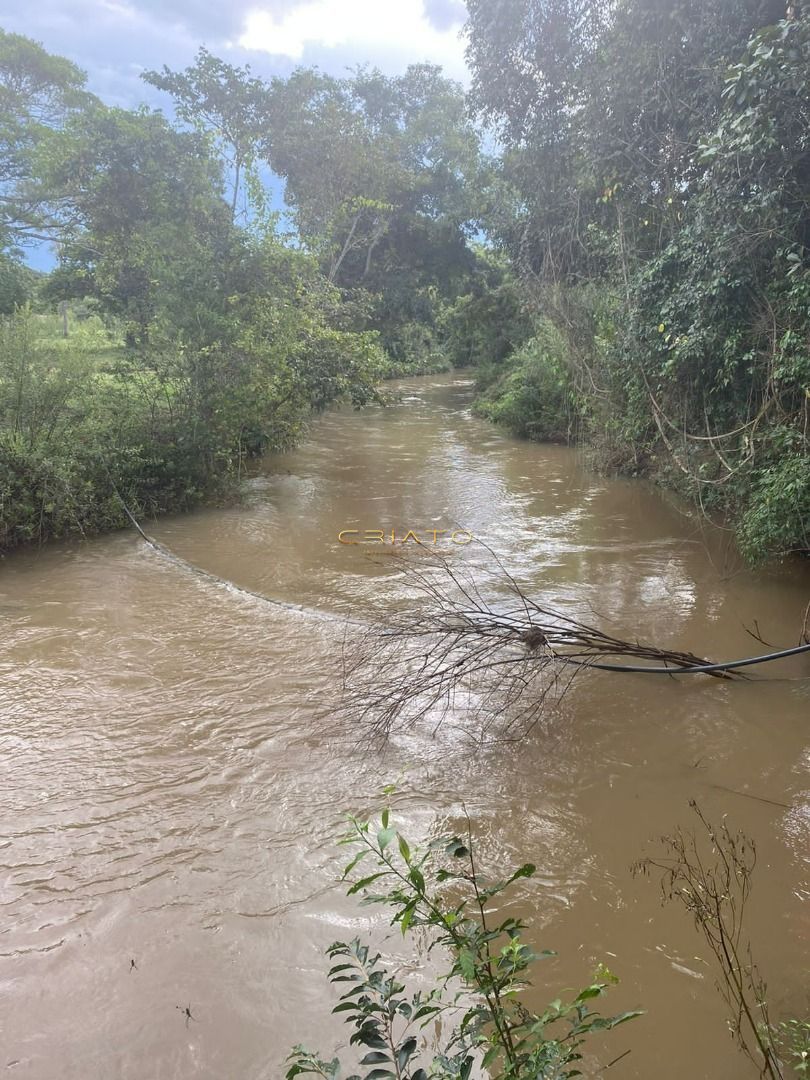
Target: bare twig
713, 886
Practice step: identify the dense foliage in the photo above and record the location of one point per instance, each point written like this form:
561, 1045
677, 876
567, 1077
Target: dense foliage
181, 330
656, 152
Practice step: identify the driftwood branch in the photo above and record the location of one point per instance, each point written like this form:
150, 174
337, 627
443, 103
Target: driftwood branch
499, 657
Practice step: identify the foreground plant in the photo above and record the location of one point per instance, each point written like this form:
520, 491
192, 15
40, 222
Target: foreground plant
709, 873
794, 1041
438, 886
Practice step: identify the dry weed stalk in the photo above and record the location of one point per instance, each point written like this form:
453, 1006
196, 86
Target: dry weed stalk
714, 888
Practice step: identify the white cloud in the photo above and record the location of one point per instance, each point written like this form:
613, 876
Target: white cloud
389, 33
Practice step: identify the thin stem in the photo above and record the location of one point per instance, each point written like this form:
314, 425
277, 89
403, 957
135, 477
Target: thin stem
498, 1012
493, 1001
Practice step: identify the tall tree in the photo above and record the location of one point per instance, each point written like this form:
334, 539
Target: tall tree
39, 93
146, 222
383, 177
224, 101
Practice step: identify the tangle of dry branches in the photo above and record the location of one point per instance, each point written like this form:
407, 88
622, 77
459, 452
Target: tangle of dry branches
501, 658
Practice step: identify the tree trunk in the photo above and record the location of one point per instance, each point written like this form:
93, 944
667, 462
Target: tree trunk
236, 178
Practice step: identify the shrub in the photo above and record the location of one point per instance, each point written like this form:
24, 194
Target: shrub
533, 395
438, 887
777, 517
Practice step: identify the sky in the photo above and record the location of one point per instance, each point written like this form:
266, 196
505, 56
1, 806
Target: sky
113, 41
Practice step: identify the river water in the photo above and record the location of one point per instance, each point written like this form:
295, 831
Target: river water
169, 790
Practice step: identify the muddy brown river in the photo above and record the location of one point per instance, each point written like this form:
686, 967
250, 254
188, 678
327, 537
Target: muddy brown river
169, 795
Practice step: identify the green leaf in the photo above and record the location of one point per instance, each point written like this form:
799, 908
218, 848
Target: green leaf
384, 837
406, 1052
526, 871
350, 866
361, 884
490, 1056
404, 850
407, 917
375, 1057
622, 1018
416, 878
466, 962
425, 1010
369, 1036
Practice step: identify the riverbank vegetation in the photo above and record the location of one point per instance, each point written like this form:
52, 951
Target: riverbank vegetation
625, 268
475, 1006
655, 205
186, 325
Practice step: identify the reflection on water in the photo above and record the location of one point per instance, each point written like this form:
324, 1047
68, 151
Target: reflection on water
167, 796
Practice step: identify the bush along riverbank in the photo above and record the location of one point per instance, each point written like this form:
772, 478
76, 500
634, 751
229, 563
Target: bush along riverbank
474, 1014
87, 424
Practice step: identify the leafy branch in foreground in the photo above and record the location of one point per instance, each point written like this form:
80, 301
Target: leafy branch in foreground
438, 886
794, 1041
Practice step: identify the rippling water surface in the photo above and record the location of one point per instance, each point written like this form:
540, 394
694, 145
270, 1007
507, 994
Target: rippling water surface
168, 794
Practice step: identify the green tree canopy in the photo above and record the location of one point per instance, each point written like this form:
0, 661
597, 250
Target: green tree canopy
224, 101
39, 92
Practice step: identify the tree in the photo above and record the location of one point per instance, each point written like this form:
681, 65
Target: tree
382, 175
39, 93
146, 226
225, 101
655, 165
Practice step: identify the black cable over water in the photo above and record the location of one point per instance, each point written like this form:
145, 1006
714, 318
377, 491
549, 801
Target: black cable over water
639, 669
285, 605
699, 669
